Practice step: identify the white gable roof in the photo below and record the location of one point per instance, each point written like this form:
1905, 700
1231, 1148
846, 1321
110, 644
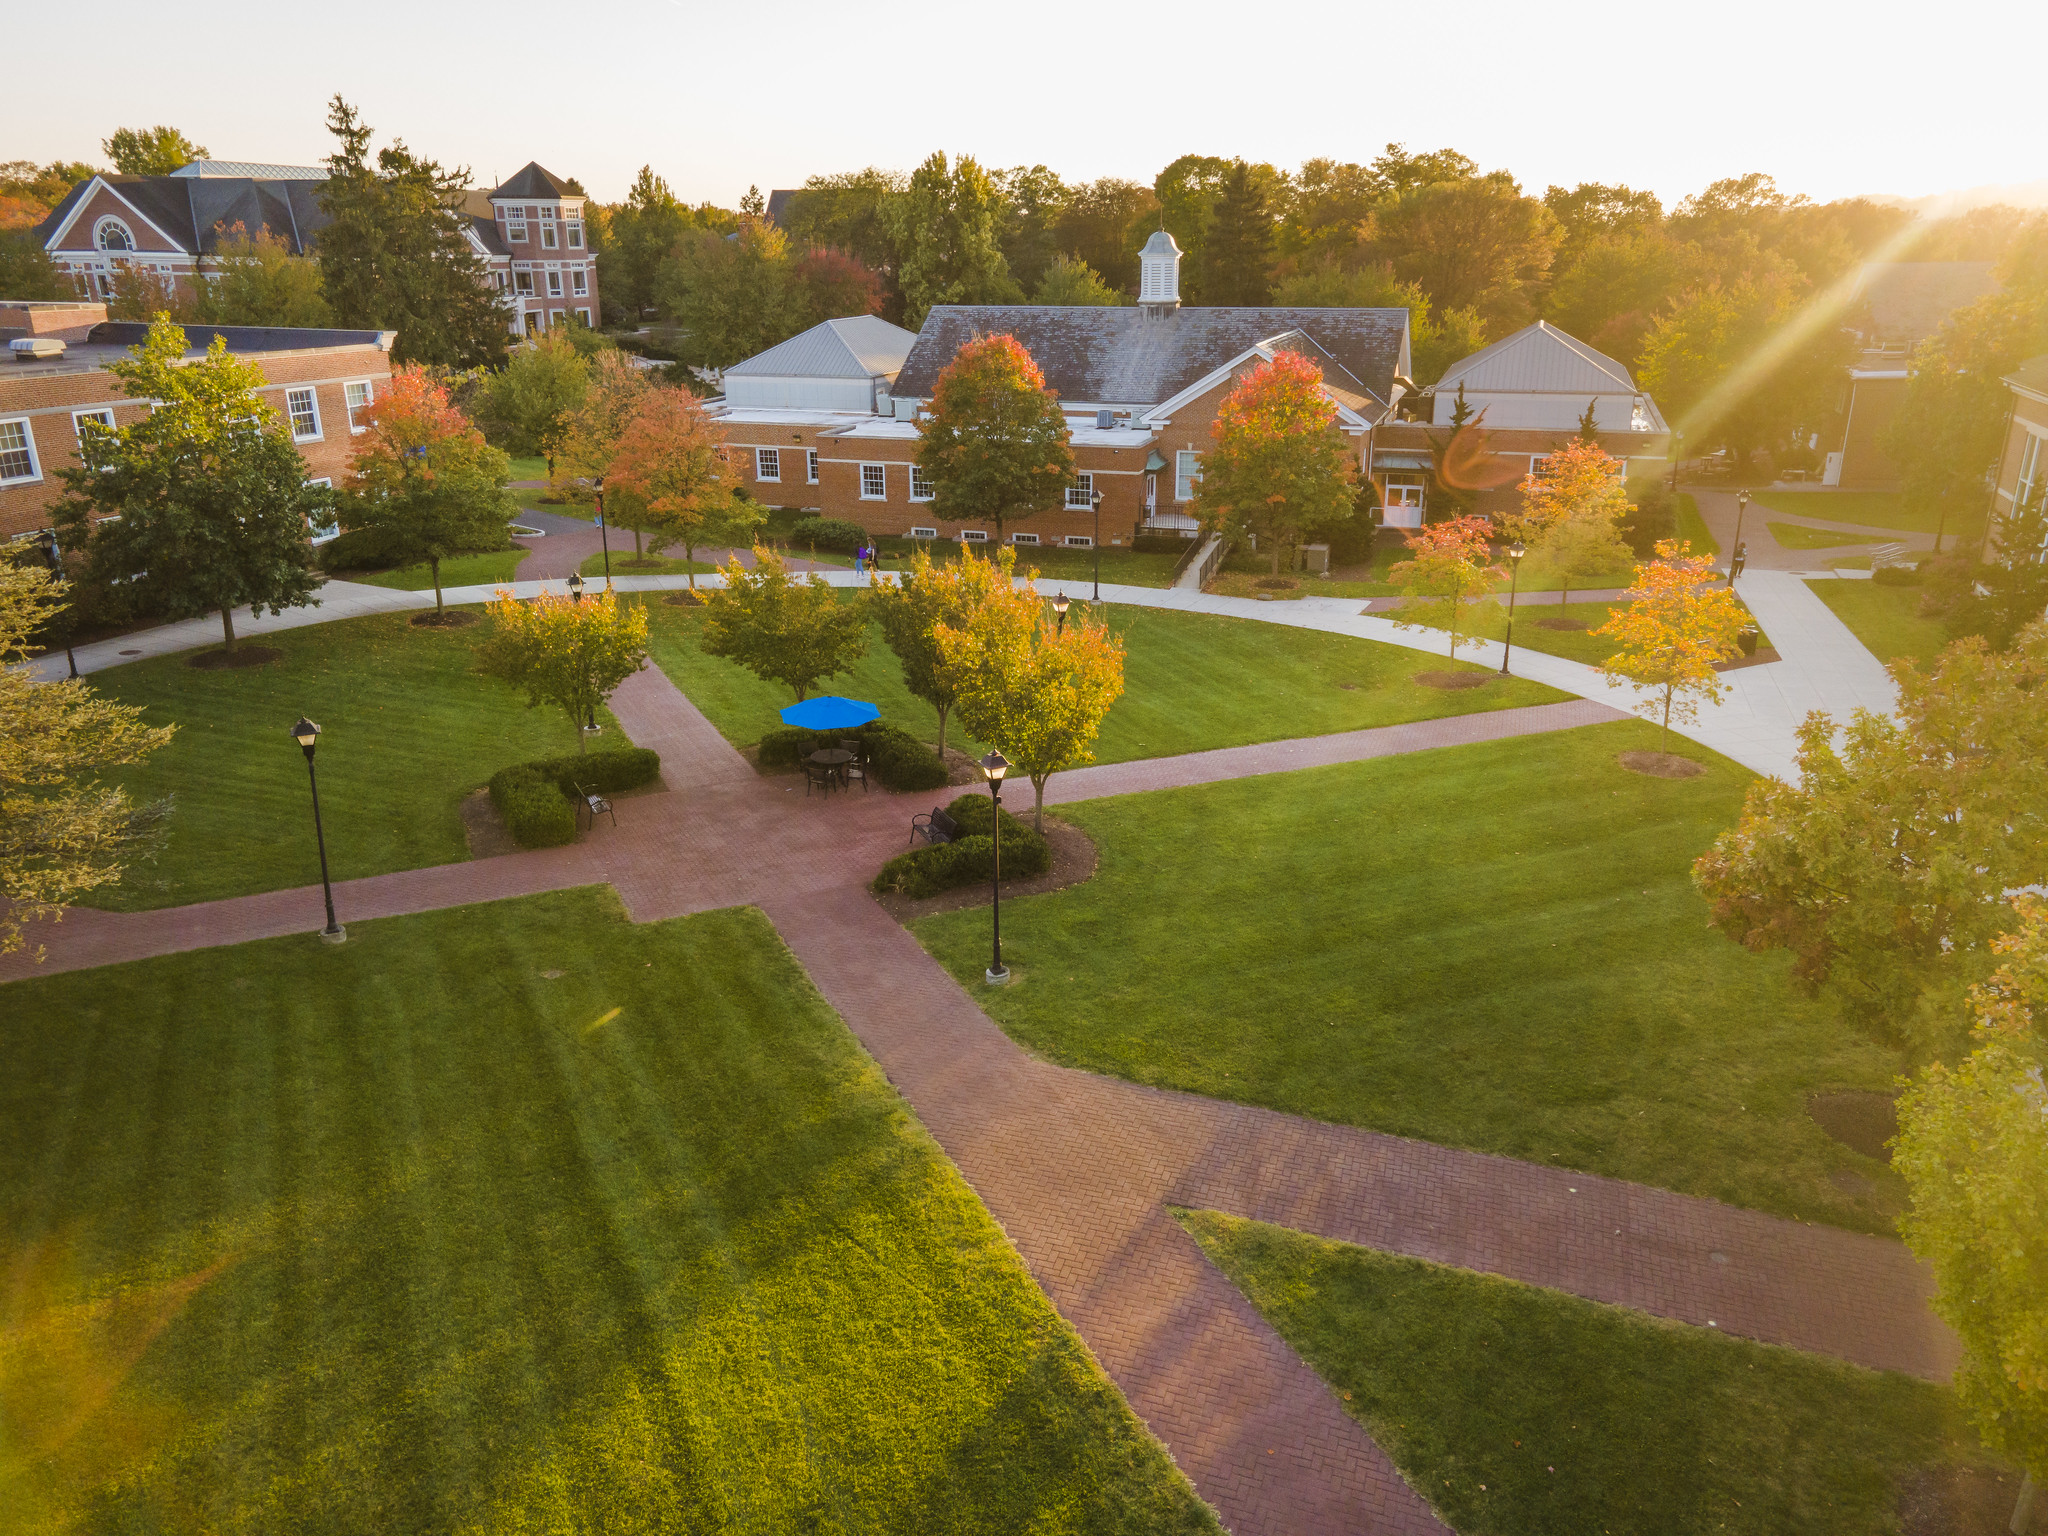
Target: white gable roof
1538, 359
857, 347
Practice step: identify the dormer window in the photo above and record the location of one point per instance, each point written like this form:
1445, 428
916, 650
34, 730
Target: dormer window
112, 235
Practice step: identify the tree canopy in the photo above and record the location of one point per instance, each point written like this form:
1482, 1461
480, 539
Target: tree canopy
1278, 464
526, 405
256, 280
926, 596
1445, 576
994, 441
781, 629
570, 652
673, 468
1676, 626
946, 230
154, 151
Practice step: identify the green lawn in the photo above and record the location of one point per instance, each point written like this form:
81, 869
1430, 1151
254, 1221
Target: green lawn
1886, 619
1193, 681
529, 469
515, 1218
1493, 946
1692, 528
410, 729
1799, 536
1519, 1411
647, 565
1874, 509
456, 571
1531, 635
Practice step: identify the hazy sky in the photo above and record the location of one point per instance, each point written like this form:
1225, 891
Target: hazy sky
1832, 99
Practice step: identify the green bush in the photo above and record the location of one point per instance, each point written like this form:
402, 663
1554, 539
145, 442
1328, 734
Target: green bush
967, 860
536, 813
603, 773
1161, 543
900, 760
1897, 576
359, 549
829, 533
1655, 517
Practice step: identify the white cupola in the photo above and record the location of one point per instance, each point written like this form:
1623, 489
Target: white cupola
1159, 274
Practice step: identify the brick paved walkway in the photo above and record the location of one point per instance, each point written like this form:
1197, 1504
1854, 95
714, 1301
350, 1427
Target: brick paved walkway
1081, 1169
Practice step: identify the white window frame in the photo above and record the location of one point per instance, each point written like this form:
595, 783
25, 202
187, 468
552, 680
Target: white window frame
98, 415
584, 316
28, 440
515, 226
1404, 482
522, 283
1023, 538
768, 465
313, 533
2028, 470
810, 466
547, 233
881, 475
554, 283
923, 533
973, 535
1080, 492
1187, 474
555, 317
1079, 541
354, 406
312, 409
99, 235
1536, 463
921, 487
532, 319
575, 228
579, 282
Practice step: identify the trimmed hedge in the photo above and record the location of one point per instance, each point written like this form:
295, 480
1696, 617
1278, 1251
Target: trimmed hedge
967, 860
1897, 576
535, 798
1161, 543
829, 533
900, 760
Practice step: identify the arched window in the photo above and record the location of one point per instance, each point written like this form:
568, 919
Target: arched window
113, 235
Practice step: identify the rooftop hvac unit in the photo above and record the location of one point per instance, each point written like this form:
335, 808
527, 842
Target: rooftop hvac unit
36, 349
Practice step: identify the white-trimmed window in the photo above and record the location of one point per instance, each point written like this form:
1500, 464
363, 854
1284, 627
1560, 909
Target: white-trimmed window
810, 466
767, 463
547, 230
1023, 538
515, 224
112, 235
924, 533
554, 284
1078, 541
17, 452
579, 282
874, 482
304, 410
92, 422
356, 395
328, 528
920, 484
575, 228
532, 318
973, 535
1187, 474
2032, 460
584, 316
555, 318
1080, 494
522, 282
1536, 463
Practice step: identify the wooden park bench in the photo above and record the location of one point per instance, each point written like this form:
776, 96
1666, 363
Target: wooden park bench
937, 827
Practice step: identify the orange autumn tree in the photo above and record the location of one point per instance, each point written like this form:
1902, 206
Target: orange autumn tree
1676, 626
993, 440
672, 464
1570, 514
1445, 577
588, 438
1278, 463
424, 479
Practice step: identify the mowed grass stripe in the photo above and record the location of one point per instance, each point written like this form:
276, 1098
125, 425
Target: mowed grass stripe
390, 1237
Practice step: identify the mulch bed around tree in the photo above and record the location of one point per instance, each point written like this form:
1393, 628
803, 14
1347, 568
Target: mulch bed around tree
1859, 1118
453, 618
1764, 655
1661, 765
1563, 624
1073, 860
1277, 583
483, 828
684, 599
1959, 1501
240, 656
1454, 679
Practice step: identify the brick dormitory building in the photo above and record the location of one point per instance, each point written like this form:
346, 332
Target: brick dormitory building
827, 421
56, 391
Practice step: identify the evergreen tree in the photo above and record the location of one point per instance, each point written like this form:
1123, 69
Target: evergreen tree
1238, 251
397, 256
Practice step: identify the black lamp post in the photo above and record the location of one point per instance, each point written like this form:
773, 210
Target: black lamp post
576, 585
49, 542
1059, 606
993, 767
307, 734
1515, 553
603, 532
1095, 501
1735, 555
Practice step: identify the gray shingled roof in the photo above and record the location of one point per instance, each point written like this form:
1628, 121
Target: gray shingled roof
532, 181
857, 347
1118, 355
191, 209
1908, 300
240, 338
778, 202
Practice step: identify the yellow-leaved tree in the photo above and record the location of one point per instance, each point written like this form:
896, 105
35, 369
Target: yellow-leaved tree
1036, 691
1676, 626
588, 437
924, 597
779, 628
1445, 576
62, 833
569, 652
1570, 513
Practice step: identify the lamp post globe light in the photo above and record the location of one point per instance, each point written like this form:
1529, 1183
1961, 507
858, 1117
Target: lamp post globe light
993, 767
49, 543
1059, 607
1515, 552
1095, 501
576, 585
307, 734
603, 532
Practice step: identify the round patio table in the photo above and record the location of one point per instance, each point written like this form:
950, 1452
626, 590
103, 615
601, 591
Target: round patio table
835, 758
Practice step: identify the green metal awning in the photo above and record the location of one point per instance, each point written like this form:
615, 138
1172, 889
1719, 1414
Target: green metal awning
1402, 461
1154, 463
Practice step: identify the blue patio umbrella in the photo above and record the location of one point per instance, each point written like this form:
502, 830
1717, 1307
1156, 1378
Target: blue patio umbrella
829, 713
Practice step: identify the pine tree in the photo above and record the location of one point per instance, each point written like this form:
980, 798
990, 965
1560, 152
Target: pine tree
1238, 250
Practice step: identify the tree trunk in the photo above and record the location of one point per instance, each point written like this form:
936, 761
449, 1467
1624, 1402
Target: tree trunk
637, 555
1038, 803
942, 731
2023, 1507
435, 562
1276, 557
227, 624
690, 560
1664, 741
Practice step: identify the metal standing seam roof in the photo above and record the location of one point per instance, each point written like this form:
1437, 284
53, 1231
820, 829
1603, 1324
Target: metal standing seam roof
1119, 355
856, 347
2031, 375
1539, 359
250, 169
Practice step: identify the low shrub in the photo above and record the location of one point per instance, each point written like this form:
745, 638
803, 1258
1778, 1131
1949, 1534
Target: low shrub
1161, 543
828, 533
358, 549
968, 859
899, 759
1897, 576
536, 813
603, 773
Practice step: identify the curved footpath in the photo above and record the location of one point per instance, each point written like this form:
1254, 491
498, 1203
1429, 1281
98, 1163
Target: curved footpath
1081, 1170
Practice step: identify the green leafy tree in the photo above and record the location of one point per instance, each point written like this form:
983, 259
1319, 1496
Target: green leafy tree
525, 406
1593, 210
732, 298
1973, 1148
1445, 577
26, 271
1476, 243
638, 235
1324, 283
203, 504
1883, 869
1103, 223
1187, 191
781, 629
849, 212
1033, 199
1237, 253
925, 597
1071, 281
1328, 209
994, 441
142, 293
62, 832
154, 151
396, 253
2001, 596
591, 433
946, 229
1278, 463
256, 280
1609, 287
424, 478
566, 651
1396, 172
39, 188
